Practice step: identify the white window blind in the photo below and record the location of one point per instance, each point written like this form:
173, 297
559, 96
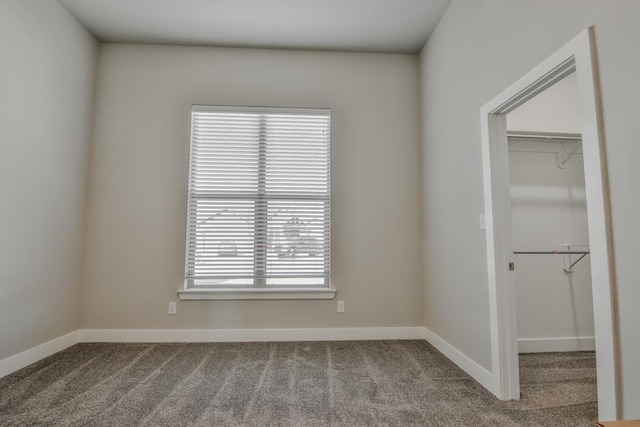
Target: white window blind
259, 198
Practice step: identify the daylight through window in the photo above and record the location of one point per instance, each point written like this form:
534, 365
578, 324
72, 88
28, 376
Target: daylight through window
259, 198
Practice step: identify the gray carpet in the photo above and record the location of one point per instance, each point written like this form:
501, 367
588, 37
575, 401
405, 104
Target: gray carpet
350, 383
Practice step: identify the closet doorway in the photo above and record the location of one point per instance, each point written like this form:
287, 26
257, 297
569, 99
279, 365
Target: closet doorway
578, 56
550, 241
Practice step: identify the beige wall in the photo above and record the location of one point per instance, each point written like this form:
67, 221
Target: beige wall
137, 204
46, 97
479, 49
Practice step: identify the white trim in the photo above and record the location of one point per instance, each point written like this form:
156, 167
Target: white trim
250, 335
545, 345
256, 293
479, 373
579, 55
504, 351
18, 361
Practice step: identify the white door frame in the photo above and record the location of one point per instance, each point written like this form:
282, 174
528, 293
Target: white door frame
577, 55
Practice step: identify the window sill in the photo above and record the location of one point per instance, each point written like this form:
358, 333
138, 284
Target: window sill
256, 294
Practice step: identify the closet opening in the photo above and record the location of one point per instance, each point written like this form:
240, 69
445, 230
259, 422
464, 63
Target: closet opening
577, 56
550, 241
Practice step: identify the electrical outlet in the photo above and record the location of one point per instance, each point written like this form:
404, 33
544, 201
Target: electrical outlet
172, 307
340, 306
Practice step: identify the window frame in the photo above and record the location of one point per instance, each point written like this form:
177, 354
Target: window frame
259, 289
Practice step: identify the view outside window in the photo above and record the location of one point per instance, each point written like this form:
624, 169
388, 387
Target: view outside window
259, 198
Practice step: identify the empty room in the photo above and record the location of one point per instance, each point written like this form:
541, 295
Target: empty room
281, 212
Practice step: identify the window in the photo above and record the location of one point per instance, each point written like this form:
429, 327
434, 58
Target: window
259, 203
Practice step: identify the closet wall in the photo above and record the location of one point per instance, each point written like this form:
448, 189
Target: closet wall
555, 311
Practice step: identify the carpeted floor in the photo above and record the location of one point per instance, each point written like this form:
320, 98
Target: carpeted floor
350, 383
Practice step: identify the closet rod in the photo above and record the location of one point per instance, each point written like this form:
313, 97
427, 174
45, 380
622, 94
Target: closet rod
553, 252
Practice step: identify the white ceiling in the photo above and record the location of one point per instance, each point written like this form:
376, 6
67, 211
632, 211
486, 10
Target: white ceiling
401, 26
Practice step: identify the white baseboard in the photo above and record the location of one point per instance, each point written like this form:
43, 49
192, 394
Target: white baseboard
248, 335
27, 357
464, 362
545, 345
